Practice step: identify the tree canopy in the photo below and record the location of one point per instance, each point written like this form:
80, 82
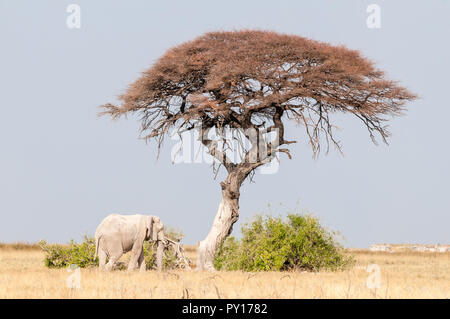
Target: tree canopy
250, 79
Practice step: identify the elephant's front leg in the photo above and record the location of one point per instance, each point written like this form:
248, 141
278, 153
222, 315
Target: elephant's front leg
141, 262
135, 255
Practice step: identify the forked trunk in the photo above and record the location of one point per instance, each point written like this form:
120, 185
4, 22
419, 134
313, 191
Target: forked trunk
227, 215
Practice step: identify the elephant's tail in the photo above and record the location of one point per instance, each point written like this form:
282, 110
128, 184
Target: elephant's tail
97, 239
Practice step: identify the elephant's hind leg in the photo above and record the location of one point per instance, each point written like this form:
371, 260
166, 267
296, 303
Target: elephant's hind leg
115, 251
101, 259
112, 262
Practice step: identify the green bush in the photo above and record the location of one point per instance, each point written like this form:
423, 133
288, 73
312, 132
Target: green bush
271, 243
60, 256
82, 255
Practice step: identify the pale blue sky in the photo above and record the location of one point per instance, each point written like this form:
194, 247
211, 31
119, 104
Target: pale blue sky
63, 169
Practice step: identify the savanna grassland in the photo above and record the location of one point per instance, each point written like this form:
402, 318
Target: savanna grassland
402, 275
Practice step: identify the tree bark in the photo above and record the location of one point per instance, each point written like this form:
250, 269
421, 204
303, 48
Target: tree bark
160, 254
227, 215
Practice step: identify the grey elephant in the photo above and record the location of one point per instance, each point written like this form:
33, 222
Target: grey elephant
118, 234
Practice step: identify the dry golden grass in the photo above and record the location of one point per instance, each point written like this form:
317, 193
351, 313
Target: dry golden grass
403, 275
19, 246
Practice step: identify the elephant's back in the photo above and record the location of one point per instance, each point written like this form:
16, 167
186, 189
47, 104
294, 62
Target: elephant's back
110, 223
116, 223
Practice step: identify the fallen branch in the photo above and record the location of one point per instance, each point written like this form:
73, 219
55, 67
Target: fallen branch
182, 260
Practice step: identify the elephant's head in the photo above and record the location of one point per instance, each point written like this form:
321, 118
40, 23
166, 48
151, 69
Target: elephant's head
155, 228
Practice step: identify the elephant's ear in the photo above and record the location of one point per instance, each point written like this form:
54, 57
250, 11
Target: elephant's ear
149, 228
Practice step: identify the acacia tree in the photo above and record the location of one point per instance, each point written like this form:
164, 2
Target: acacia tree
254, 81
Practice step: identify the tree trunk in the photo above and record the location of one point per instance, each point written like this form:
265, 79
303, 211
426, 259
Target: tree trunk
160, 254
227, 215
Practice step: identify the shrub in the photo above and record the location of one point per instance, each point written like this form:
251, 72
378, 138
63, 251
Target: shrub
60, 256
271, 243
82, 255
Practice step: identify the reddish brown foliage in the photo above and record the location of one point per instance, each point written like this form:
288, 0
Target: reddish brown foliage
257, 79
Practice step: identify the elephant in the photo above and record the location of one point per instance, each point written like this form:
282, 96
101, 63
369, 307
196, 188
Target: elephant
118, 234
